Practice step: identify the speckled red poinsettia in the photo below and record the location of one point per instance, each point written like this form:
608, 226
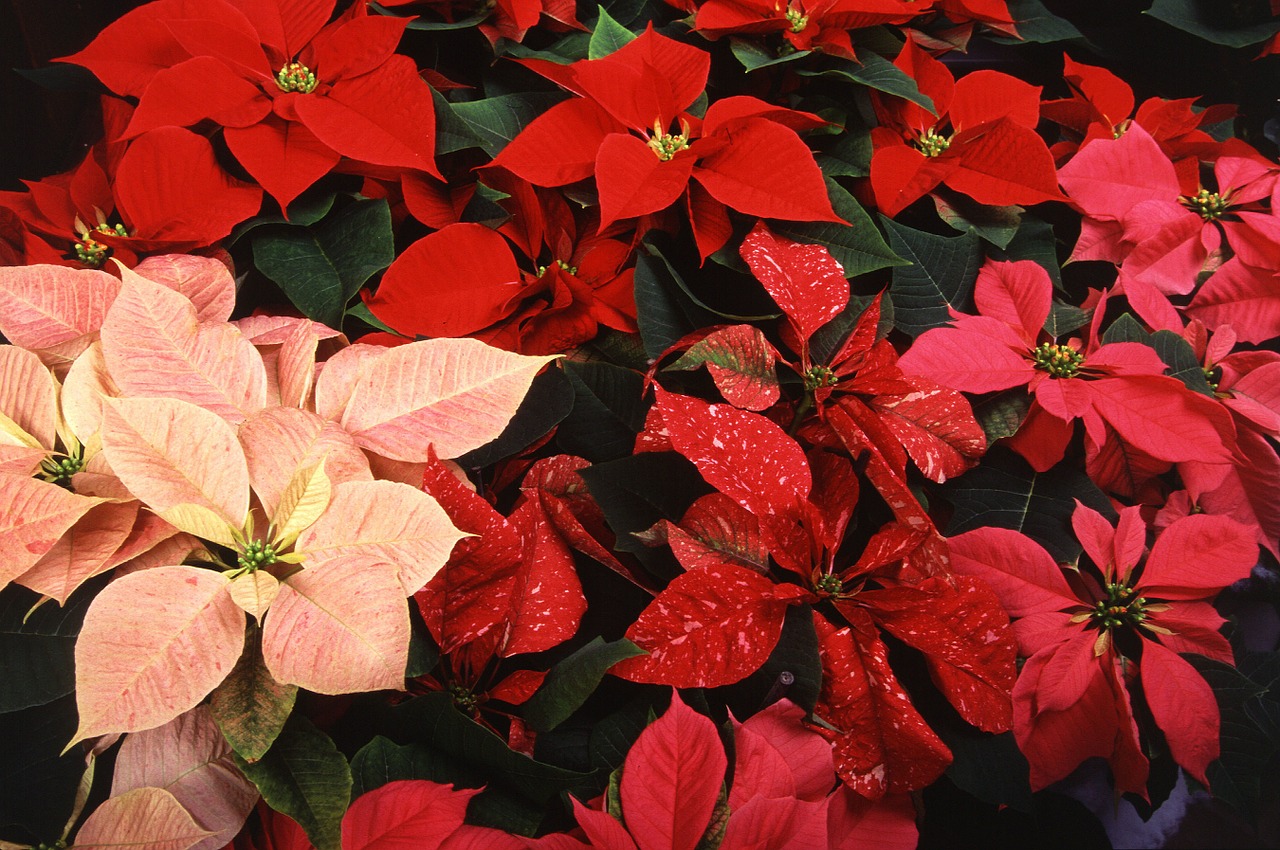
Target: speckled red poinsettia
293, 93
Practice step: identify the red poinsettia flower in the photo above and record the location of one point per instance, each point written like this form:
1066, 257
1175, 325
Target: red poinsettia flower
981, 141
1090, 630
293, 93
822, 25
1111, 386
163, 192
1138, 217
631, 131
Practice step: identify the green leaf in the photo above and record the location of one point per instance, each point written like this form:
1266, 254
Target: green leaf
382, 760
1126, 329
607, 36
321, 268
997, 225
1036, 24
876, 72
1065, 318
361, 312
574, 679
38, 655
549, 400
753, 55
1249, 704
608, 411
305, 777
424, 655
1001, 414
250, 707
452, 132
306, 210
848, 156
664, 313
1007, 493
1181, 359
1218, 21
417, 23
941, 276
857, 246
613, 735
793, 670
495, 121
990, 767
1034, 241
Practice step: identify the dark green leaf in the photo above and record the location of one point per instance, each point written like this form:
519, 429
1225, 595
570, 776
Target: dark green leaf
874, 71
37, 784
424, 655
321, 268
1001, 414
1007, 493
38, 655
1181, 359
608, 411
674, 276
941, 276
990, 767
1126, 329
417, 23
607, 36
452, 133
849, 156
1231, 24
305, 777
793, 670
251, 707
1248, 706
614, 734
663, 312
382, 760
997, 225
306, 210
574, 679
857, 246
754, 55
495, 121
1037, 24
1065, 318
629, 13
360, 311
549, 400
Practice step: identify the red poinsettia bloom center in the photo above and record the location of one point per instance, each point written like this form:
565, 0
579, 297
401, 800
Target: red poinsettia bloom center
931, 143
89, 250
820, 376
296, 77
796, 18
463, 698
1210, 206
561, 264
828, 584
1122, 607
666, 145
1060, 361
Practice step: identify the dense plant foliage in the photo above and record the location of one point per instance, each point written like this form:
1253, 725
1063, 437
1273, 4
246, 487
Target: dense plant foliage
642, 426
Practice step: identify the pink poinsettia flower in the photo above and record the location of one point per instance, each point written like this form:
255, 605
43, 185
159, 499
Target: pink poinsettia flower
293, 93
1138, 217
1110, 386
1088, 632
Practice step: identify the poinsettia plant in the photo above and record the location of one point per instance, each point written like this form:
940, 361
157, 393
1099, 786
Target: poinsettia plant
643, 426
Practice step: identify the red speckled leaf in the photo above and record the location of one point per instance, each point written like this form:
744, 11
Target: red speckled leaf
965, 636
741, 362
936, 426
671, 779
545, 603
572, 511
712, 626
744, 455
716, 530
805, 280
883, 745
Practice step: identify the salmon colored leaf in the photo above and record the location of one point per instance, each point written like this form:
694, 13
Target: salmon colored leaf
672, 778
451, 394
741, 362
1197, 556
339, 627
28, 399
393, 522
254, 592
89, 549
805, 280
141, 819
170, 453
776, 755
153, 644
404, 815
713, 626
205, 281
155, 347
34, 515
1017, 568
54, 307
189, 758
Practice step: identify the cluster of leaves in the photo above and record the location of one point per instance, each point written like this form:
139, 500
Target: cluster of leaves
642, 397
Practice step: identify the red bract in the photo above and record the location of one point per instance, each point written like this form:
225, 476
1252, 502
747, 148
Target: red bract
822, 25
162, 192
1084, 631
1112, 385
981, 141
621, 132
293, 94
507, 19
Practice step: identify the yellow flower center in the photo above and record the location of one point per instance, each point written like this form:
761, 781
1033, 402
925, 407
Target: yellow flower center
296, 77
1208, 205
666, 145
931, 143
1060, 361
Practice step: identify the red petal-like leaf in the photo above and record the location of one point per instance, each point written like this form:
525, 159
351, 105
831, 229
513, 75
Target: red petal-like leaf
284, 157
710, 627
1108, 178
1190, 426
1197, 556
559, 146
936, 426
715, 530
1183, 706
741, 362
1246, 298
1018, 294
651, 78
776, 755
855, 823
1019, 570
805, 280
408, 814
671, 779
634, 181
1006, 164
